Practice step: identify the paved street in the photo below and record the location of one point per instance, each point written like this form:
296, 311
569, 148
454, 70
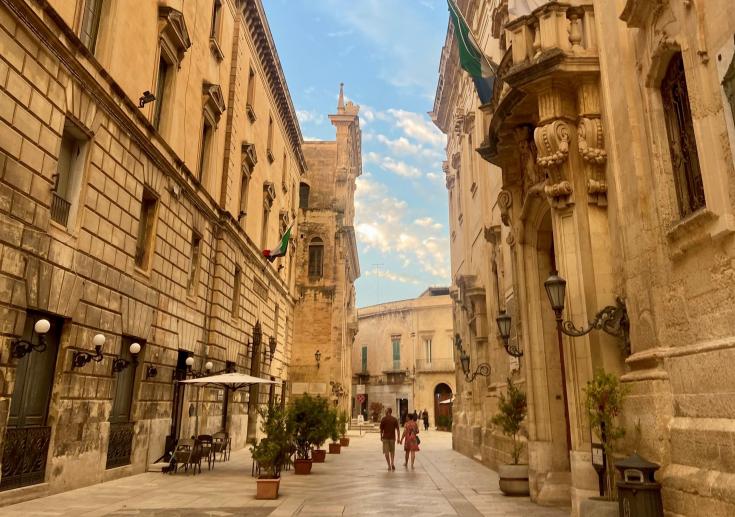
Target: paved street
356, 483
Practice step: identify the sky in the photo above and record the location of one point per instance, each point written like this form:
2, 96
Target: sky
386, 52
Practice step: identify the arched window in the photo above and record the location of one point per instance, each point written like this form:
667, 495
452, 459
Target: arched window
682, 143
303, 195
316, 258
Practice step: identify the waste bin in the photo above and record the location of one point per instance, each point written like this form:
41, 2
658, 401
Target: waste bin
639, 495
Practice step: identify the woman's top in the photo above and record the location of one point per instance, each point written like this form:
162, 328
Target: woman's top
409, 436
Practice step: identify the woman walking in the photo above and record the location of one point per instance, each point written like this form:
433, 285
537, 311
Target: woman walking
410, 439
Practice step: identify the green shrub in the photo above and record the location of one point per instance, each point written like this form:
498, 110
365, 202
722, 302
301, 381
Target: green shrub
511, 413
273, 452
310, 419
376, 409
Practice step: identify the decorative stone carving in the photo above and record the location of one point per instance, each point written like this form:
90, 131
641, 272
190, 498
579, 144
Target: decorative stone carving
596, 186
249, 158
174, 34
530, 173
552, 143
636, 12
269, 195
214, 102
590, 140
557, 190
505, 201
456, 160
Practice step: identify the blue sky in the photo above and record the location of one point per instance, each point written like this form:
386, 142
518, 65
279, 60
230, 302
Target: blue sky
387, 54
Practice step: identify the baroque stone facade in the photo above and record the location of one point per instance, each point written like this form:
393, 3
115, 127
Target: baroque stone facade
327, 263
610, 142
146, 160
404, 357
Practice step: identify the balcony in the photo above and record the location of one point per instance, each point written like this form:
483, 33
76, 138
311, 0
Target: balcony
435, 365
60, 209
556, 36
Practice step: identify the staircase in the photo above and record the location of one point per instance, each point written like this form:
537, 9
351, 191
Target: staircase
365, 427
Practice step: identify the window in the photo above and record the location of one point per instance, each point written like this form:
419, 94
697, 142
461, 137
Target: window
250, 99
69, 172
284, 172
427, 349
216, 13
146, 229
364, 358
205, 150
244, 186
316, 258
264, 229
682, 143
396, 341
162, 89
269, 148
196, 252
303, 195
91, 23
237, 281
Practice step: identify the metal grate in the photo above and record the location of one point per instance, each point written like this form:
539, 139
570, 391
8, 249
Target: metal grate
60, 209
120, 445
25, 450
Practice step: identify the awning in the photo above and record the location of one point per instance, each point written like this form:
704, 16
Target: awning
448, 401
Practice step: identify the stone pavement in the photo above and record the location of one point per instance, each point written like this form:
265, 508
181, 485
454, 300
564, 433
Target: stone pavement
354, 483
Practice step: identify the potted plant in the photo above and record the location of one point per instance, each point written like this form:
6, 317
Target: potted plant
305, 414
334, 447
512, 411
344, 440
376, 409
604, 401
273, 452
321, 434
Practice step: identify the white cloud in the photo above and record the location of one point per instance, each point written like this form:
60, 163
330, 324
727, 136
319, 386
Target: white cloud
428, 222
340, 34
418, 127
395, 277
309, 116
400, 168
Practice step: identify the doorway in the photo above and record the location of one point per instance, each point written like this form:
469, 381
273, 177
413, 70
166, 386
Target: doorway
27, 435
177, 402
120, 442
442, 408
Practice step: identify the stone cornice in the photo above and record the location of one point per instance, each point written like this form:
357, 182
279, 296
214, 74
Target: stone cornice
257, 24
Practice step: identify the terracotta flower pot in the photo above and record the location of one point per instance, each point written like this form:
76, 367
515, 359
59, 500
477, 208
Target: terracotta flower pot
318, 455
513, 479
344, 441
302, 467
267, 488
334, 448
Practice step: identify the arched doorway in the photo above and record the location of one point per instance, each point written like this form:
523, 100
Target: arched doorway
443, 407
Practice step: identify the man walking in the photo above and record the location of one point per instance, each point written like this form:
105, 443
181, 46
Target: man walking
389, 434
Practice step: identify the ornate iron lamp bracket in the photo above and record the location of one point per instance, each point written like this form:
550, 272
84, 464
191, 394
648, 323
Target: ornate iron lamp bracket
79, 359
21, 347
512, 350
612, 320
483, 369
119, 364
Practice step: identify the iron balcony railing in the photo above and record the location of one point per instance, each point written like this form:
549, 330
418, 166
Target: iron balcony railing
444, 364
120, 446
24, 456
60, 209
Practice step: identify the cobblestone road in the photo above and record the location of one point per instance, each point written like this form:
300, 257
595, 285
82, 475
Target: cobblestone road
354, 483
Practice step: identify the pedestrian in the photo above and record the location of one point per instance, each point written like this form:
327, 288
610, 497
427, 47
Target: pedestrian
411, 439
415, 416
389, 434
425, 418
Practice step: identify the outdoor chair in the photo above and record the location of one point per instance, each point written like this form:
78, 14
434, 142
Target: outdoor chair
222, 444
207, 449
183, 455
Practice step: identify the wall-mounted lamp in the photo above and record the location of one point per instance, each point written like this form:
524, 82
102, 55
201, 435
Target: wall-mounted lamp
241, 215
146, 98
20, 347
151, 371
612, 319
272, 347
119, 364
79, 359
483, 369
257, 336
318, 357
504, 324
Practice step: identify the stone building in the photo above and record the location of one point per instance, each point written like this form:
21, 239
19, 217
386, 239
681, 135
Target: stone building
326, 262
610, 142
403, 356
147, 157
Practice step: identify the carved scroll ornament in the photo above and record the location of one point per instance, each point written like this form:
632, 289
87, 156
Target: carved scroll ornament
563, 188
552, 143
591, 141
505, 201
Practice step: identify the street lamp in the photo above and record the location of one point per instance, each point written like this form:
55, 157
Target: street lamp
318, 357
612, 319
79, 359
119, 364
504, 320
483, 369
20, 347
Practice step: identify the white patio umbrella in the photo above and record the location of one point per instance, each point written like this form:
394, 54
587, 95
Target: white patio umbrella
233, 381
448, 401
